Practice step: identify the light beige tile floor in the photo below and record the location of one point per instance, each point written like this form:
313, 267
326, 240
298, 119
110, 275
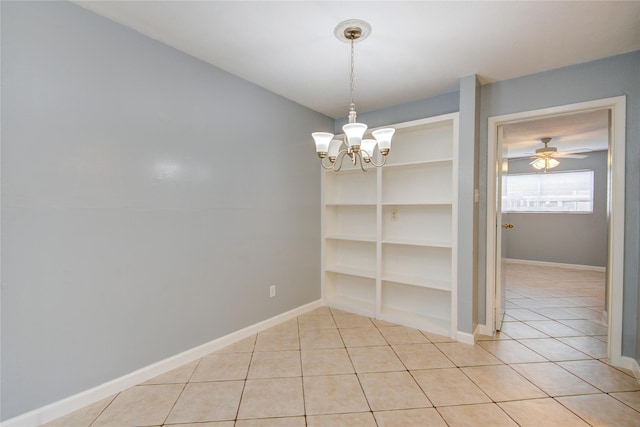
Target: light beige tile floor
547, 368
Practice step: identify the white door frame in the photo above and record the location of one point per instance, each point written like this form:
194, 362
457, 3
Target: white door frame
615, 262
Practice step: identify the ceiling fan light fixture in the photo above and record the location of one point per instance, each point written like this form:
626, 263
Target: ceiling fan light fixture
545, 156
545, 163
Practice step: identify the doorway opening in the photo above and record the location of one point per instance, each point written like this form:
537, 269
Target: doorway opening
614, 108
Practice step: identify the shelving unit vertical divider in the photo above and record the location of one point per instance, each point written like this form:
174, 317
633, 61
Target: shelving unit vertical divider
323, 233
378, 242
454, 228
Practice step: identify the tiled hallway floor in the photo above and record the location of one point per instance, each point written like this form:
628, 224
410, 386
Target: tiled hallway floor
330, 368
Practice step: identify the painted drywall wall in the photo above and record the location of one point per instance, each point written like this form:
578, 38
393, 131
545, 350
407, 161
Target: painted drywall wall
148, 202
567, 238
605, 78
467, 208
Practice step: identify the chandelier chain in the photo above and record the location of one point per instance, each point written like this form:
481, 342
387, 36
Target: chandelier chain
352, 106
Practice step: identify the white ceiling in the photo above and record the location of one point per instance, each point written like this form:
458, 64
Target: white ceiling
416, 49
579, 132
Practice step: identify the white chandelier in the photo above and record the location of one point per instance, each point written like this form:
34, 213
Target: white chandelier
360, 151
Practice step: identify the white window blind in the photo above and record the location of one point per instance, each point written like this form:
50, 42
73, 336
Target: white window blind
548, 192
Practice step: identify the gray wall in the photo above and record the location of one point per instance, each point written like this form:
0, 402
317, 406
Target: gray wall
568, 238
148, 201
614, 76
467, 260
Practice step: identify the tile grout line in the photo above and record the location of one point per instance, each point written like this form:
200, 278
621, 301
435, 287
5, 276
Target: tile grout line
355, 372
246, 377
103, 409
184, 386
304, 401
569, 409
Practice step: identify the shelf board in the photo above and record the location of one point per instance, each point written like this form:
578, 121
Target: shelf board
440, 285
426, 243
351, 271
341, 302
426, 323
419, 163
427, 204
350, 204
346, 169
353, 238
419, 203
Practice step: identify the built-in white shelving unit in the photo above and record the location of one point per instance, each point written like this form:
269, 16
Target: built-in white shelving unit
390, 233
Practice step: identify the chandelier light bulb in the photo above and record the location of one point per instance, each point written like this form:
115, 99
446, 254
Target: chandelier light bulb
366, 149
354, 132
334, 149
322, 140
383, 136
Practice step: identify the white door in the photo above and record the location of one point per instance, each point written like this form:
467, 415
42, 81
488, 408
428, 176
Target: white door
501, 229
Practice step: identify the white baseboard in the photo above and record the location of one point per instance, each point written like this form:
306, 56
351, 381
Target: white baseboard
632, 365
628, 363
605, 318
70, 404
466, 337
557, 265
484, 330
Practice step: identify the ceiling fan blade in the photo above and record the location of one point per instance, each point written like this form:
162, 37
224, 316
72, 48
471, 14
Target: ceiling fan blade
571, 156
576, 151
529, 156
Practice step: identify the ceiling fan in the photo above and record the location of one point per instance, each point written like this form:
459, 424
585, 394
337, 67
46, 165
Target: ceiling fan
546, 157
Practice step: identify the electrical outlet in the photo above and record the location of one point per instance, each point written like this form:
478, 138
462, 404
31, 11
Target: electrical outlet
394, 214
272, 291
